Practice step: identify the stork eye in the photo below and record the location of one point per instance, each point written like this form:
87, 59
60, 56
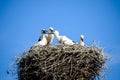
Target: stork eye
44, 31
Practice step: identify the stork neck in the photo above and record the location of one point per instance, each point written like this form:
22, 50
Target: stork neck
57, 36
43, 35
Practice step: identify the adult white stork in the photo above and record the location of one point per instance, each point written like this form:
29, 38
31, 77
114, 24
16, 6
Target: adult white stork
82, 40
50, 36
43, 39
63, 39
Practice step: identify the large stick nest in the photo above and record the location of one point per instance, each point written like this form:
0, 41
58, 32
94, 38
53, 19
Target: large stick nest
61, 63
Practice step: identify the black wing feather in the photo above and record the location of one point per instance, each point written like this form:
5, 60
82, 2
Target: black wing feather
40, 38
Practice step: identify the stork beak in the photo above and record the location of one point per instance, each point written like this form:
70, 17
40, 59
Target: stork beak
82, 39
53, 32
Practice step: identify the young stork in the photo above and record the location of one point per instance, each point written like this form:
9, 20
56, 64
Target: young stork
63, 39
50, 36
82, 40
43, 39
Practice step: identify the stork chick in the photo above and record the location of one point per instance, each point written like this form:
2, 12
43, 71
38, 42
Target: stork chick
50, 36
82, 40
43, 39
63, 39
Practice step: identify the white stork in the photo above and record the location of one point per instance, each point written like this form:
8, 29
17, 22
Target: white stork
50, 36
63, 39
82, 40
43, 39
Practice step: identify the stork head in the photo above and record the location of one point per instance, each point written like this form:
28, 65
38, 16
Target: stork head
56, 32
82, 37
43, 31
51, 30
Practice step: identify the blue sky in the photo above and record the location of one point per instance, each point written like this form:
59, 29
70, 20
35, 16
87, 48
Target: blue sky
22, 20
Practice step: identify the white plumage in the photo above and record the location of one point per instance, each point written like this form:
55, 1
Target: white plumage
43, 40
82, 40
63, 39
50, 36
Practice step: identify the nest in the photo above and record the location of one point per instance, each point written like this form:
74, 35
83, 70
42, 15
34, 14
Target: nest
61, 63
